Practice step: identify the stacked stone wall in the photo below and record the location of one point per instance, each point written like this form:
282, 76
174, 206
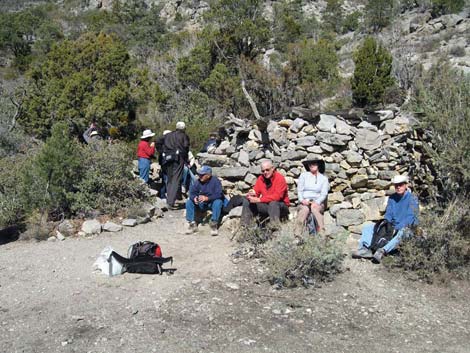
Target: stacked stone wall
362, 151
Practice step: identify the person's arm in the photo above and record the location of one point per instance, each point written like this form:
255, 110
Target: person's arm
412, 212
257, 187
277, 191
301, 187
194, 190
325, 187
216, 192
149, 149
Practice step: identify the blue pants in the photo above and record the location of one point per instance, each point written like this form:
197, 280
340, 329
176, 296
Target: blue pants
215, 206
144, 169
368, 232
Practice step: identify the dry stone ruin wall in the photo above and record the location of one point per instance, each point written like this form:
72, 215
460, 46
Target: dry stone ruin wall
362, 151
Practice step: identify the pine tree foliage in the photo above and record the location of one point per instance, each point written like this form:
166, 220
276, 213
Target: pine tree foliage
372, 73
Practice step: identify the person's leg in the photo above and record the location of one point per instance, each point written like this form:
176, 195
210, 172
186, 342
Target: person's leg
366, 236
175, 171
395, 241
318, 213
190, 210
164, 185
302, 214
247, 213
274, 211
144, 169
185, 179
216, 207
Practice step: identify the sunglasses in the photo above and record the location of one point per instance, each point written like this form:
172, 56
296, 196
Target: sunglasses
266, 170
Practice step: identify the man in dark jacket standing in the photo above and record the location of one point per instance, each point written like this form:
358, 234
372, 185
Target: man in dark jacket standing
206, 193
175, 155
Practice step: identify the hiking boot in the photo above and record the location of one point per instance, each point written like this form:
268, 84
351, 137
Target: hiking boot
192, 228
362, 253
214, 231
378, 255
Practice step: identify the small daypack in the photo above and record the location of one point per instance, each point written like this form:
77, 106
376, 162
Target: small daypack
311, 224
383, 233
144, 248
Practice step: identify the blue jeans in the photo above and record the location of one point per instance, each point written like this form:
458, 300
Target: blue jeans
215, 206
368, 232
144, 169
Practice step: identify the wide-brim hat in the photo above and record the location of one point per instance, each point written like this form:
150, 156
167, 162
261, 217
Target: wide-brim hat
93, 133
317, 161
180, 125
147, 133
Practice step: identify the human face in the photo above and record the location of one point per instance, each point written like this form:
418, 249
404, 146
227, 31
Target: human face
267, 170
205, 177
313, 167
400, 188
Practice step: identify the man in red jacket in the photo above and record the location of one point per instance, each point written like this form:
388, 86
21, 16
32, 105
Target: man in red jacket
268, 197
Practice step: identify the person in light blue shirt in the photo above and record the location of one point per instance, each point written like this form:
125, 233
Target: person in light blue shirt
312, 190
402, 212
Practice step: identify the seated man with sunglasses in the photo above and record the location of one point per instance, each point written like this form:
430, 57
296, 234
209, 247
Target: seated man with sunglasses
401, 212
268, 197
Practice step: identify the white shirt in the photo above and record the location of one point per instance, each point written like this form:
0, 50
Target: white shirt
313, 187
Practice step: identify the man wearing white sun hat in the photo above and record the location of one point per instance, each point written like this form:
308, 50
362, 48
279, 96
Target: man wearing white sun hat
401, 216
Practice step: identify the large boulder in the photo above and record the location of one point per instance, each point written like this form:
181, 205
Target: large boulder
333, 139
327, 123
237, 173
368, 139
349, 217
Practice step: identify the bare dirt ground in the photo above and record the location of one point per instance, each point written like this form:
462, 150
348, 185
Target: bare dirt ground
51, 301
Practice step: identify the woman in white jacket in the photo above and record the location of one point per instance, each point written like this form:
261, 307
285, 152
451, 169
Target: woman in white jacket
312, 192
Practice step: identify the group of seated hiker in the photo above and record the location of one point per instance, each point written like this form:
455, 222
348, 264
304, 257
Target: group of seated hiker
269, 199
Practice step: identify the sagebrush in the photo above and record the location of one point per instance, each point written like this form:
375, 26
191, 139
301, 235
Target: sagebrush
292, 262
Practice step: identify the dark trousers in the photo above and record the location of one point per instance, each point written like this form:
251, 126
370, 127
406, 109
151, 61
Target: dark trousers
174, 171
274, 210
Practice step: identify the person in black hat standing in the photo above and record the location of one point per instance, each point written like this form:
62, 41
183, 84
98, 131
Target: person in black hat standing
312, 192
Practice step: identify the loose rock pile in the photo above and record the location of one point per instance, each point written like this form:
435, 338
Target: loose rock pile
362, 151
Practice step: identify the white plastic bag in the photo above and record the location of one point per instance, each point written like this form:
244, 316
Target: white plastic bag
107, 264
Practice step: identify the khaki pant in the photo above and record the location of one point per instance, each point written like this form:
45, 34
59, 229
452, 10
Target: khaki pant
302, 214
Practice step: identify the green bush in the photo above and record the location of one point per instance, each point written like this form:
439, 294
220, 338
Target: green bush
351, 22
79, 81
443, 99
372, 73
379, 13
442, 7
443, 248
292, 262
107, 183
50, 180
12, 202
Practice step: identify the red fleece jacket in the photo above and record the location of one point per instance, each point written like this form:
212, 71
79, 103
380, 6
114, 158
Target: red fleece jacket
277, 191
144, 150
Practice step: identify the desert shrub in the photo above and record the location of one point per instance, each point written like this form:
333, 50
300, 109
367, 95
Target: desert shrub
107, 183
37, 226
442, 7
379, 13
443, 98
351, 21
443, 248
12, 202
457, 50
311, 260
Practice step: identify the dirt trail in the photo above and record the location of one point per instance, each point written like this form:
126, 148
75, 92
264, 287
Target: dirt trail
51, 301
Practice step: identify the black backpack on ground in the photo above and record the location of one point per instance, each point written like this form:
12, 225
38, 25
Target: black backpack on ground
144, 257
383, 233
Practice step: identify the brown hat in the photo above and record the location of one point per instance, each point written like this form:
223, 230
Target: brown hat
319, 162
